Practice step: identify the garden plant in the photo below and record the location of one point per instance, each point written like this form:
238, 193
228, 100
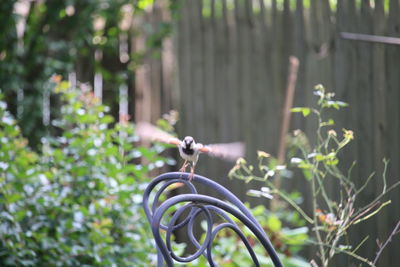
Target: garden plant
334, 212
77, 201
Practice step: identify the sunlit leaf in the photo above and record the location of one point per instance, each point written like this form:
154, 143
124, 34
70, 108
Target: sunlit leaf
304, 111
274, 223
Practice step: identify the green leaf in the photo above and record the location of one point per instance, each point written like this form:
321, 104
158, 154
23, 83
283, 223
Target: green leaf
332, 162
305, 165
334, 104
13, 198
107, 119
328, 123
307, 174
274, 223
303, 110
142, 4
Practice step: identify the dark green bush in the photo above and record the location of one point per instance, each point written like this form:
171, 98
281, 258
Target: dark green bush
78, 202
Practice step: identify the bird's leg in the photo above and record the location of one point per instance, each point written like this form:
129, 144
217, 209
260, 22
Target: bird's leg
191, 173
183, 169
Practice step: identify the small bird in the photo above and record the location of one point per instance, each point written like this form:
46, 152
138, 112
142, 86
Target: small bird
189, 150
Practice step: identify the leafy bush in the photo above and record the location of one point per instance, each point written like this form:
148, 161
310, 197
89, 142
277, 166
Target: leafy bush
78, 202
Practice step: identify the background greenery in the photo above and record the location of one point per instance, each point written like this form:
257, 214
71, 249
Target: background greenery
61, 37
77, 201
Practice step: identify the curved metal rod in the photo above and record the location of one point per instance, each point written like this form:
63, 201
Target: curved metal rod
198, 204
162, 189
209, 201
149, 210
208, 234
236, 229
217, 211
192, 238
184, 177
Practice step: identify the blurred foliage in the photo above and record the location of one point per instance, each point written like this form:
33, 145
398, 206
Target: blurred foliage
78, 201
42, 38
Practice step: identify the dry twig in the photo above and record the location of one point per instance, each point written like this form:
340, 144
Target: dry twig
395, 231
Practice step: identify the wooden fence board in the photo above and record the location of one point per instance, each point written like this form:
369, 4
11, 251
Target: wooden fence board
236, 61
392, 57
379, 113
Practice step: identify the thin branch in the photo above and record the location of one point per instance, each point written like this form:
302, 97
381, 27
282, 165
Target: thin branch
374, 212
361, 243
356, 217
291, 86
291, 202
350, 253
316, 226
386, 163
366, 183
313, 263
393, 186
335, 172
370, 38
276, 191
395, 231
323, 191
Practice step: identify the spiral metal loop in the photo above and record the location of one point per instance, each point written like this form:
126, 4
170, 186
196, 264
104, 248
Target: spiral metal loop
194, 205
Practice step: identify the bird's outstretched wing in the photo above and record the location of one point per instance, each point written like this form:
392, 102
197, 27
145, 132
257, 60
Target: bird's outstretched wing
228, 151
149, 132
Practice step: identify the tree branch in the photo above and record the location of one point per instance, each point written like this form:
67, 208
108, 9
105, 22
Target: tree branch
395, 231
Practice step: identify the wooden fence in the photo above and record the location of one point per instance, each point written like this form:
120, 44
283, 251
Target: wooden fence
232, 59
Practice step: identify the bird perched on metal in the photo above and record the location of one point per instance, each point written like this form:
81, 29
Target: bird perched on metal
189, 150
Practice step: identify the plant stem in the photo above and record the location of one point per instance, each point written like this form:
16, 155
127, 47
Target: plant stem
291, 202
376, 200
316, 226
395, 231
350, 253
322, 188
288, 200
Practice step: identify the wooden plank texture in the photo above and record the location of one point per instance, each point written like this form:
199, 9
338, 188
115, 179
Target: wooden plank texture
234, 58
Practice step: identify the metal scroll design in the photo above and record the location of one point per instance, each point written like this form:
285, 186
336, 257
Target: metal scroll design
196, 204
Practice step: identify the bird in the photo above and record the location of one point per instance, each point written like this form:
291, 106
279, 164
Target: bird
189, 150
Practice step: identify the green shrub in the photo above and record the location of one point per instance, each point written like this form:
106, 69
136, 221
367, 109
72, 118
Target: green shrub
78, 202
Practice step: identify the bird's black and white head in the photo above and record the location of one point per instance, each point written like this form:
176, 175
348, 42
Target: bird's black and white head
188, 149
188, 143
